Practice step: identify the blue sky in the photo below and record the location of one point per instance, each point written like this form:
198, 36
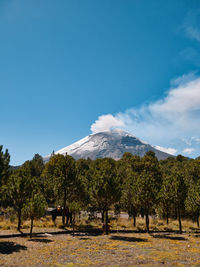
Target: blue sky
68, 68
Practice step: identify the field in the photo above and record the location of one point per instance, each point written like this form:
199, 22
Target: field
124, 246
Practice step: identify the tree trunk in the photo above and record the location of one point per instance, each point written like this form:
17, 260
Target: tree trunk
147, 221
106, 222
176, 215
19, 221
64, 208
31, 230
198, 220
134, 220
102, 216
167, 215
179, 220
73, 222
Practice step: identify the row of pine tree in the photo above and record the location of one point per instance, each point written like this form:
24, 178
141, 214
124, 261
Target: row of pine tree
142, 186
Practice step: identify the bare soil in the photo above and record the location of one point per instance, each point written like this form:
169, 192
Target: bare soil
122, 248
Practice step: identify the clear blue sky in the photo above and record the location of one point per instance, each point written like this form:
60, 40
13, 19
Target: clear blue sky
65, 63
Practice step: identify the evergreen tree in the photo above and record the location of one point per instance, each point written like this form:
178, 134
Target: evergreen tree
60, 176
106, 187
35, 204
74, 208
17, 190
84, 181
22, 184
4, 167
178, 188
192, 178
192, 201
148, 184
129, 168
37, 166
166, 195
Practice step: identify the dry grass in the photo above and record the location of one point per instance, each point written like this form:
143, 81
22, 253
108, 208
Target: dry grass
126, 246
155, 225
6, 224
133, 249
115, 224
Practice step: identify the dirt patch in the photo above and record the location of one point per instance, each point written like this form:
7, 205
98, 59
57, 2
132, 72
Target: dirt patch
118, 249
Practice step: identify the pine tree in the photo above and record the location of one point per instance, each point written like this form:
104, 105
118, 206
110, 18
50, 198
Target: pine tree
18, 191
60, 178
178, 188
148, 184
166, 195
192, 178
106, 188
4, 165
84, 182
35, 204
129, 168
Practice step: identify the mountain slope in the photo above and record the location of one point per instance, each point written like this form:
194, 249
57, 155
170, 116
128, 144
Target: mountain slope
109, 144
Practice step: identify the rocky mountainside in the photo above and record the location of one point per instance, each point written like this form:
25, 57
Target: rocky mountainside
109, 144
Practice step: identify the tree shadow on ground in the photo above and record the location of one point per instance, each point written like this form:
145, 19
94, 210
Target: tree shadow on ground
84, 238
88, 232
196, 235
167, 236
42, 240
10, 247
127, 238
85, 227
85, 234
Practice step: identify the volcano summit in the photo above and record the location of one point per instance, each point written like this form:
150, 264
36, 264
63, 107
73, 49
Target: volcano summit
111, 143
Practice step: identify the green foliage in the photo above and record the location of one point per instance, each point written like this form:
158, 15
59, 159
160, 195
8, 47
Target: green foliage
60, 179
148, 184
106, 187
192, 178
165, 195
22, 184
75, 209
4, 165
174, 187
4, 171
35, 204
129, 168
17, 190
193, 198
37, 165
84, 181
60, 175
170, 187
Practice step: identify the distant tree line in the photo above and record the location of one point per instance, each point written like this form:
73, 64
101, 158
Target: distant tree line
139, 185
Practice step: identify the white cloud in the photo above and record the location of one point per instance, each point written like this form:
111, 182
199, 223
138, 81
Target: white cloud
188, 150
191, 26
168, 150
195, 139
193, 33
175, 116
105, 123
166, 122
184, 98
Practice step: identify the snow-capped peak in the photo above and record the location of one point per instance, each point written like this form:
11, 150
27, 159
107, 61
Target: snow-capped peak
112, 143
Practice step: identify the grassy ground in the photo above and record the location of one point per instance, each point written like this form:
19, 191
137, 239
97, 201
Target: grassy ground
124, 246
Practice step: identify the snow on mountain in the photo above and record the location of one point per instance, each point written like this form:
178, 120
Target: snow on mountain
111, 143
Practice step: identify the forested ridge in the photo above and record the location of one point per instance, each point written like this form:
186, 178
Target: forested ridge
141, 186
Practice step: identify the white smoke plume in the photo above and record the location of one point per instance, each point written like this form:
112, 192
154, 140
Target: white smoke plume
165, 122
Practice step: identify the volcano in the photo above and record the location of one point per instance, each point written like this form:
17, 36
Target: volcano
113, 143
